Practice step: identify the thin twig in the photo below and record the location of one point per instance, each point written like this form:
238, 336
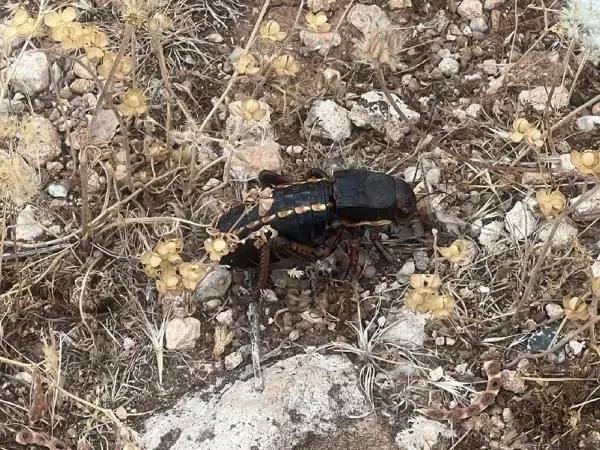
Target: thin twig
541, 257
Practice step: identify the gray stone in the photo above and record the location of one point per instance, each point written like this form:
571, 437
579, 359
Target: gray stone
490, 67
492, 4
81, 86
328, 120
233, 360
321, 42
406, 329
538, 97
368, 18
478, 25
104, 125
587, 123
57, 190
181, 334
304, 395
39, 143
213, 285
520, 222
28, 228
31, 73
449, 66
423, 434
470, 9
565, 234
588, 209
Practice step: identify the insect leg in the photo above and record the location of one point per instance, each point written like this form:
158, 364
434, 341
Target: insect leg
270, 178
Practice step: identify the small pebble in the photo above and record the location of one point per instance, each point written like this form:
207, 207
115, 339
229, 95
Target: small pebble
215, 38
57, 190
233, 360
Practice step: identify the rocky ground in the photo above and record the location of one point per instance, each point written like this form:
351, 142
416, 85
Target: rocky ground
128, 127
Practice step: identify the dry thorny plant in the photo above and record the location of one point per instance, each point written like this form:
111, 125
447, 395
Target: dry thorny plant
138, 63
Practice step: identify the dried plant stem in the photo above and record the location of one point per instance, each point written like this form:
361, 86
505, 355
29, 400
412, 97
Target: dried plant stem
105, 94
536, 269
228, 88
577, 110
390, 99
158, 50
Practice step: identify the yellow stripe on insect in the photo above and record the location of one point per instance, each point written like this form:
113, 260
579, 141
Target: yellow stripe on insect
302, 209
268, 219
283, 214
318, 207
253, 224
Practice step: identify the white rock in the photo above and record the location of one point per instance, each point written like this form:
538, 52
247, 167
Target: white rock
449, 66
587, 123
215, 38
305, 395
565, 234
57, 190
233, 360
588, 209
181, 334
31, 73
28, 228
368, 18
213, 285
104, 125
433, 176
422, 434
438, 373
566, 163
258, 130
519, 221
406, 271
406, 328
470, 9
474, 111
250, 157
554, 311
373, 110
576, 346
492, 4
412, 174
490, 233
328, 120
225, 317
321, 42
478, 25
39, 142
490, 67
537, 97
81, 86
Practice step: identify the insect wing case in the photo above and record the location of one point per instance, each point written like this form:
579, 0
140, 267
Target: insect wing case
363, 195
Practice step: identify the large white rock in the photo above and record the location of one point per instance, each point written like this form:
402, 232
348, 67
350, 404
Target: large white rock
520, 222
538, 97
31, 73
304, 395
328, 120
373, 110
470, 9
181, 334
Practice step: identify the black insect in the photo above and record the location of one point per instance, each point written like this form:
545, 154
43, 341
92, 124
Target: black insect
301, 212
